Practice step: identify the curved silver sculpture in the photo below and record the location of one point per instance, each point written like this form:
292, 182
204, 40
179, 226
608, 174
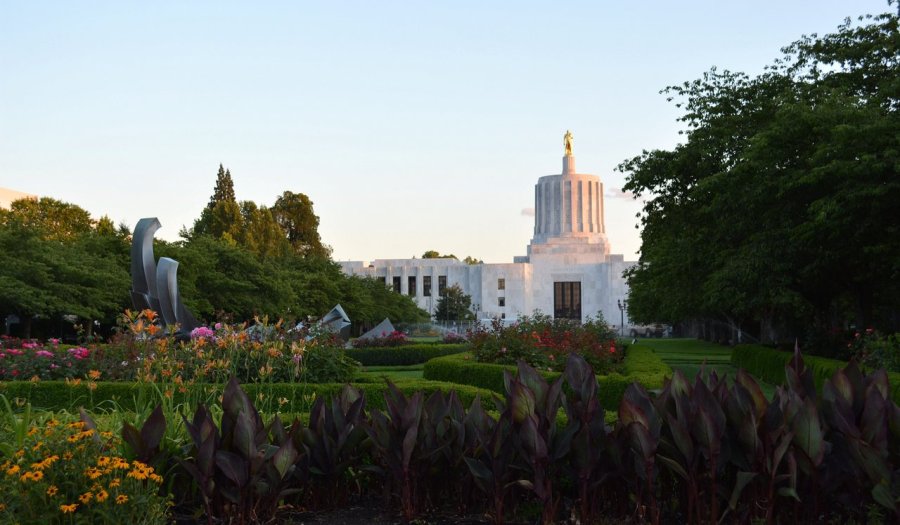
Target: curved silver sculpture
156, 286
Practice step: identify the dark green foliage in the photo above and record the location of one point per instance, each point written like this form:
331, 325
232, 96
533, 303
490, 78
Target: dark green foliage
58, 395
778, 210
327, 365
56, 261
768, 365
411, 354
300, 225
454, 305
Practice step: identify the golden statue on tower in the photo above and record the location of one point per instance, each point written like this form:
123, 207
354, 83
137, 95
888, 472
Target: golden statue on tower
567, 140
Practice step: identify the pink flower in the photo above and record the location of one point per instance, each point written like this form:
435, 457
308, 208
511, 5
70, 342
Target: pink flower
54, 342
29, 346
79, 352
297, 358
202, 332
43, 353
14, 351
218, 326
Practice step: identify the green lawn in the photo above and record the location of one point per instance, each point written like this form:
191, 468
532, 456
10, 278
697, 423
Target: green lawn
692, 355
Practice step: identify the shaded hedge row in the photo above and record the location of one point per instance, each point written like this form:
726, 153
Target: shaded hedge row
641, 365
403, 355
768, 365
59, 395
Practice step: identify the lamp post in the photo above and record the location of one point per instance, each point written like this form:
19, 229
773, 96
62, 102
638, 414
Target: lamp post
623, 305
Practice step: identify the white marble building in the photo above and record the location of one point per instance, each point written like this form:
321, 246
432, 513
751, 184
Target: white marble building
568, 271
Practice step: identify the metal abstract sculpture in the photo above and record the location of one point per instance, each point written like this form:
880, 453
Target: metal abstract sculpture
336, 321
156, 286
384, 329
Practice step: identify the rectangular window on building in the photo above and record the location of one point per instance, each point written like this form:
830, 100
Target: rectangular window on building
501, 301
442, 285
426, 286
411, 286
501, 284
567, 300
396, 285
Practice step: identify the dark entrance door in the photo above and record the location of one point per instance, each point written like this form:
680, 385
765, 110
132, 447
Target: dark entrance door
567, 300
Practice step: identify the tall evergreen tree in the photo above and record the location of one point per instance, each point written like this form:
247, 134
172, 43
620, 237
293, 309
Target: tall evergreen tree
222, 214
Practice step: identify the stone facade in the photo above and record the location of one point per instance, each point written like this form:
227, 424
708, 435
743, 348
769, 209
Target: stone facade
568, 271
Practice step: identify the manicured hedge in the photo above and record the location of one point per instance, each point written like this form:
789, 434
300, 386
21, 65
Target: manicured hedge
58, 395
404, 355
768, 365
641, 365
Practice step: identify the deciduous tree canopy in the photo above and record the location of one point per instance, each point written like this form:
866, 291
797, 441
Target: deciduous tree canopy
779, 208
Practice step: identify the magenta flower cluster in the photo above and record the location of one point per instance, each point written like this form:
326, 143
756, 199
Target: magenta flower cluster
202, 332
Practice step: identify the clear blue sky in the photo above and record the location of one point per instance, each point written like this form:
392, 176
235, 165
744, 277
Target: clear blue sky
411, 126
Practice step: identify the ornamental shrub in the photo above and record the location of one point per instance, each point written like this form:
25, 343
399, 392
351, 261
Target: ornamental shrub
24, 360
395, 338
68, 472
545, 343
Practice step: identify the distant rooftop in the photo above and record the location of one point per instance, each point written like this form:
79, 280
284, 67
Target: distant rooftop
7, 196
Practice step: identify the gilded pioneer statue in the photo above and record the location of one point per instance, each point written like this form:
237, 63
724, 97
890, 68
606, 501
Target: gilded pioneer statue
567, 140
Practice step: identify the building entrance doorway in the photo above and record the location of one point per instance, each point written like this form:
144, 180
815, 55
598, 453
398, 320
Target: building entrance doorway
567, 300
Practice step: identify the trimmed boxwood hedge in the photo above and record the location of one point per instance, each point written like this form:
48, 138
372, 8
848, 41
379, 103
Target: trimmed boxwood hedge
768, 365
641, 365
403, 355
58, 395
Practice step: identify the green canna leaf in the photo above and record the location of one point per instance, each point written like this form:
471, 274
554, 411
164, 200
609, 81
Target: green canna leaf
741, 482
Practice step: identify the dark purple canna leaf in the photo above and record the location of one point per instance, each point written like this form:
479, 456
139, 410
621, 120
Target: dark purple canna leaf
234, 467
874, 420
521, 402
760, 403
154, 429
534, 444
132, 436
244, 435
284, 458
879, 379
534, 381
809, 436
681, 436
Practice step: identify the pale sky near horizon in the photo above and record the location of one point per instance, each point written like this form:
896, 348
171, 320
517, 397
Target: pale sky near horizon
411, 126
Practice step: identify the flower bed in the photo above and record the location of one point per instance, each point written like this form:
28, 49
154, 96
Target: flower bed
545, 343
144, 352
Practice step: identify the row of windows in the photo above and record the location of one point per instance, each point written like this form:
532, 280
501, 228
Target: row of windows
442, 286
426, 285
566, 295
